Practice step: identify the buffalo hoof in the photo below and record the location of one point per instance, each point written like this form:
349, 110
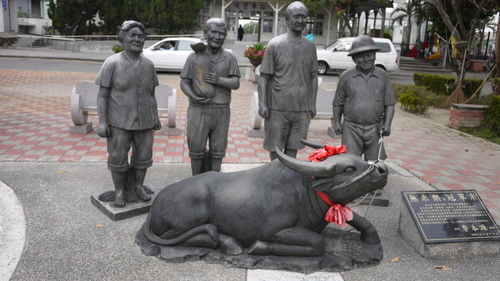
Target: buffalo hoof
258, 248
370, 236
229, 245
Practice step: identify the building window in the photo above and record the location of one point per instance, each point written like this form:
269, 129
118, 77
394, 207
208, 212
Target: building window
267, 25
318, 24
318, 28
206, 13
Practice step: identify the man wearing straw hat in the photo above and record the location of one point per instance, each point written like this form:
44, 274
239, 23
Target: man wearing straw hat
365, 98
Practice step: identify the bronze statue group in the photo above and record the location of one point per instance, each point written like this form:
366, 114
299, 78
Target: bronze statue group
215, 210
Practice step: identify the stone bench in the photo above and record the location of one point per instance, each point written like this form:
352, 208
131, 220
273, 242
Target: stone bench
84, 101
324, 109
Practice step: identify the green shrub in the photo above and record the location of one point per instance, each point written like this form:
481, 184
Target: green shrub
440, 84
414, 99
437, 101
117, 48
491, 120
400, 89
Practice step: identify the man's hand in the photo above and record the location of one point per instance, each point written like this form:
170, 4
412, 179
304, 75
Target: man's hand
157, 126
386, 130
263, 111
313, 113
338, 128
211, 77
103, 130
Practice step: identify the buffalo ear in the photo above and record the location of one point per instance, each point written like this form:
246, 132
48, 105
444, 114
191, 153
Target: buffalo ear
317, 169
311, 144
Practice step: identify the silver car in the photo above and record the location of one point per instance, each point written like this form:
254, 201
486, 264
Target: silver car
170, 57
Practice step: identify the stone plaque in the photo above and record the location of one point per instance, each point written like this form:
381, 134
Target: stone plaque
450, 216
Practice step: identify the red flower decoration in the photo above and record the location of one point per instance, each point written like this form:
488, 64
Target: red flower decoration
325, 152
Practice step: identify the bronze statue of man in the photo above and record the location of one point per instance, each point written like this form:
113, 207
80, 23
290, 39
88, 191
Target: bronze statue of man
209, 113
365, 98
128, 113
288, 85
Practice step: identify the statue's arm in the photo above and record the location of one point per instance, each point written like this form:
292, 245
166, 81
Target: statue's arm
388, 116
264, 79
337, 117
232, 82
314, 78
155, 111
102, 111
187, 89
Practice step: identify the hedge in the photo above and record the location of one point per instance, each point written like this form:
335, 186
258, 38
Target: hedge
440, 84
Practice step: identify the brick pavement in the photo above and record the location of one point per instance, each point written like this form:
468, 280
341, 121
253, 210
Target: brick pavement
35, 117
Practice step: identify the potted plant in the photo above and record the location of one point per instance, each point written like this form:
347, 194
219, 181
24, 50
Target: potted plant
117, 48
255, 53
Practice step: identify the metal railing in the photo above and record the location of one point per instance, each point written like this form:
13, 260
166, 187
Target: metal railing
50, 42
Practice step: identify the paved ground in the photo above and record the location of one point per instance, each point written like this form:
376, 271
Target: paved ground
34, 136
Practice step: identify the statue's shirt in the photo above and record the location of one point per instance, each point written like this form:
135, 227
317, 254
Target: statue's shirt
364, 97
224, 64
130, 104
291, 64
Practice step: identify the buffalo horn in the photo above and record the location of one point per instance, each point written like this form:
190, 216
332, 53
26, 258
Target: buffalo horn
317, 169
314, 145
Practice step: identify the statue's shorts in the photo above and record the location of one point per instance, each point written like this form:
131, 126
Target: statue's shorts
285, 129
119, 143
363, 139
208, 122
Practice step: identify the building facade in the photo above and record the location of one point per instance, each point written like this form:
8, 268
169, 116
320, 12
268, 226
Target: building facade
271, 18
25, 16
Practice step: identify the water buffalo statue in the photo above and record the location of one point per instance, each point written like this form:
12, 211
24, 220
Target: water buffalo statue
274, 209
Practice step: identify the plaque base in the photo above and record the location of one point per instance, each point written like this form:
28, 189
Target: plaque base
408, 230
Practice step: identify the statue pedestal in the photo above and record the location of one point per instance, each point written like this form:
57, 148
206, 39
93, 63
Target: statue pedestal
131, 209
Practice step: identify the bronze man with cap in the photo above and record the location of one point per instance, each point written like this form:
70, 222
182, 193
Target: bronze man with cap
365, 98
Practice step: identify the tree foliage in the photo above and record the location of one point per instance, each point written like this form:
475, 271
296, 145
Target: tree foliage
346, 11
457, 19
72, 17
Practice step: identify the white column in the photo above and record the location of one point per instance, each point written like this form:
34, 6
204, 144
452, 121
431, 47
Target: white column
224, 5
276, 8
329, 11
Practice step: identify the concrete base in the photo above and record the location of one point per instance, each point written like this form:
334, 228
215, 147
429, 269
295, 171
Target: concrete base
331, 133
172, 131
380, 199
408, 230
81, 129
256, 133
131, 209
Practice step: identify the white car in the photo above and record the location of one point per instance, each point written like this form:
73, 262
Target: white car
334, 57
165, 59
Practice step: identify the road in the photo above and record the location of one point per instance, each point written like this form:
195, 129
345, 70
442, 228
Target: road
93, 67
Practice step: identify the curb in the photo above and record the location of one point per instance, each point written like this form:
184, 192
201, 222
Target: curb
12, 231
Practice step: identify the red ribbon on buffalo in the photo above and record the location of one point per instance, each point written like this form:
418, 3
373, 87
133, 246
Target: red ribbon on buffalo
336, 213
328, 150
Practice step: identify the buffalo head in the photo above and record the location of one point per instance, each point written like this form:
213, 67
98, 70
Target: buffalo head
343, 177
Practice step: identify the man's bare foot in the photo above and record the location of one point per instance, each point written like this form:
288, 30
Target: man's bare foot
119, 199
142, 194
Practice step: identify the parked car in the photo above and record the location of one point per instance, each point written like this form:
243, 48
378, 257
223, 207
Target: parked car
334, 56
165, 59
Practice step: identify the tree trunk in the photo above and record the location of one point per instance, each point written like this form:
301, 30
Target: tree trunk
496, 87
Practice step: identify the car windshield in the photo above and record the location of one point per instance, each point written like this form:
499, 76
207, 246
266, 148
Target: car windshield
340, 46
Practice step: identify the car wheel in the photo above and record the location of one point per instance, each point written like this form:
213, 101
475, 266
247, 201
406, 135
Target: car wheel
322, 67
381, 67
